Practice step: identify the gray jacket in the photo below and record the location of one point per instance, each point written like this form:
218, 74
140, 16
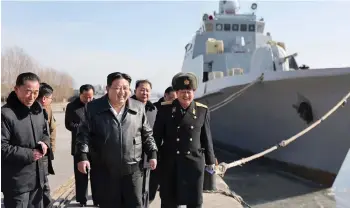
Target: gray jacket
115, 144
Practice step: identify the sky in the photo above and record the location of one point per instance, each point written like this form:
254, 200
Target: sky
146, 39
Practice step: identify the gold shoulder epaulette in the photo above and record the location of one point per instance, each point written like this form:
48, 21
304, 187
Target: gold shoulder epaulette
166, 102
201, 105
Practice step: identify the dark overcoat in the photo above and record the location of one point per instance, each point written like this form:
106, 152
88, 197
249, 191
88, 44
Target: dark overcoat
21, 130
185, 147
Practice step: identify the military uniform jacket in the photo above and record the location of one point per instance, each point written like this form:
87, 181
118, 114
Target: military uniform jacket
185, 147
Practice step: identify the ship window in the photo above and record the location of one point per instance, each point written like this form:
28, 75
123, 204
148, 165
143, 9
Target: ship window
235, 27
252, 28
227, 27
218, 27
243, 27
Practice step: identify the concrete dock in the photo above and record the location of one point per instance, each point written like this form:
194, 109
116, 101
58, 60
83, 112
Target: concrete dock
259, 186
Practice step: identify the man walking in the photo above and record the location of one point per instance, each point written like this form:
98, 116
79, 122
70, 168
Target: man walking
45, 99
182, 127
24, 142
143, 89
74, 113
116, 132
169, 95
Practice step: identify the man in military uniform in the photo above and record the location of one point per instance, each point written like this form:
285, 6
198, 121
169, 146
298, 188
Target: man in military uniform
182, 131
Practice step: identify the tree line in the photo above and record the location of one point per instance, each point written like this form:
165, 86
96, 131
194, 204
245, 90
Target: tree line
15, 60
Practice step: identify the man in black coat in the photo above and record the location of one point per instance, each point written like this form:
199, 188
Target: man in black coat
116, 132
24, 142
74, 114
182, 127
169, 95
143, 89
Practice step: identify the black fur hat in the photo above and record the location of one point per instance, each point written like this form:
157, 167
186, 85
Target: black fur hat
185, 81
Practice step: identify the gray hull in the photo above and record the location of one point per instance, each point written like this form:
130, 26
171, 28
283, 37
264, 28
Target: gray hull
263, 116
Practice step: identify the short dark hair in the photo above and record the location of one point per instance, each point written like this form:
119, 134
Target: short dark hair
142, 81
26, 76
86, 87
117, 75
45, 90
169, 90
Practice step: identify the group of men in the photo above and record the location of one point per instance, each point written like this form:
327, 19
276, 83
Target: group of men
130, 146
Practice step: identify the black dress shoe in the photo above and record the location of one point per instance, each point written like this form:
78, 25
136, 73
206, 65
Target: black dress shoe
82, 204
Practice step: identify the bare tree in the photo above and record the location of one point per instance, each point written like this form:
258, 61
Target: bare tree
15, 61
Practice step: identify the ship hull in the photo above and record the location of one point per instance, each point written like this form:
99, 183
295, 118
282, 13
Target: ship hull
264, 115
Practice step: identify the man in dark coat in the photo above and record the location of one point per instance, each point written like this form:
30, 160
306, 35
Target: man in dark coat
183, 127
169, 95
74, 114
24, 142
116, 132
143, 90
45, 99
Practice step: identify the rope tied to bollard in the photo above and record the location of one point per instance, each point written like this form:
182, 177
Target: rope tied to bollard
223, 167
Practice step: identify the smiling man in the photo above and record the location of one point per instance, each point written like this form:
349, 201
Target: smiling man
115, 132
24, 142
182, 133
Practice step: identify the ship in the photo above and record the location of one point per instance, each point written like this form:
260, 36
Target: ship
231, 51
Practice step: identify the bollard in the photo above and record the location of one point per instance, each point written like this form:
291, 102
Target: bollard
209, 183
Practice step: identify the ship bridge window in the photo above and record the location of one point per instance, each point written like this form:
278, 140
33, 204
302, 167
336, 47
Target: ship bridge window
260, 28
244, 27
235, 27
218, 27
251, 28
227, 27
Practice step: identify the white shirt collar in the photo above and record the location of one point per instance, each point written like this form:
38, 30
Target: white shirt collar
118, 115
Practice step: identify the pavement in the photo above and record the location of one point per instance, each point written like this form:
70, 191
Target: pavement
259, 186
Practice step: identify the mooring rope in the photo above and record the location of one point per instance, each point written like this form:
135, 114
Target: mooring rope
222, 167
236, 94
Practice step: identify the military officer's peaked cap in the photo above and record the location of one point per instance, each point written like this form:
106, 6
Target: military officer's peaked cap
185, 81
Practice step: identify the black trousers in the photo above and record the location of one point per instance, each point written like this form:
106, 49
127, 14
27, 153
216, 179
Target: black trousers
47, 199
130, 190
82, 182
32, 199
153, 184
